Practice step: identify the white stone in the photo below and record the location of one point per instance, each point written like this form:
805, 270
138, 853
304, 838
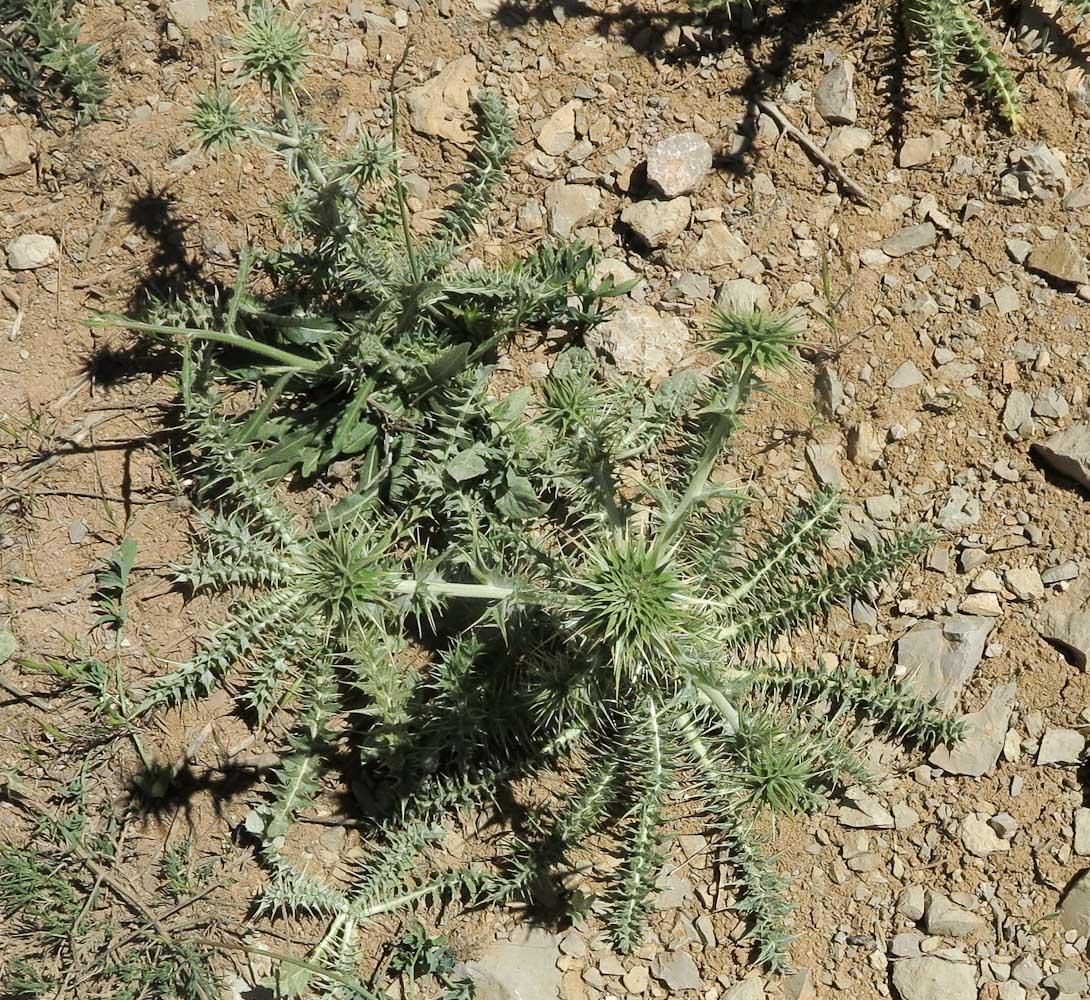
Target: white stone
641, 341
678, 164
931, 978
440, 106
34, 250
570, 205
658, 223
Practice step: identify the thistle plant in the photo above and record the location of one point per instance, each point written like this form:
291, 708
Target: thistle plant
950, 32
44, 65
367, 320
612, 628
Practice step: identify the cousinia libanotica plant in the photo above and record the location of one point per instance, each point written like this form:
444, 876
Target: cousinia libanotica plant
607, 621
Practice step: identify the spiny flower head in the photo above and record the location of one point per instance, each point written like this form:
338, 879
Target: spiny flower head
754, 338
273, 50
218, 120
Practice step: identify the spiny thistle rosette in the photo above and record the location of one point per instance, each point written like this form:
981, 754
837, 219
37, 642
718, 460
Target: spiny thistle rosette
593, 606
950, 32
367, 321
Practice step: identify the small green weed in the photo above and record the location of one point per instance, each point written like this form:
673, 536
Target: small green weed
44, 65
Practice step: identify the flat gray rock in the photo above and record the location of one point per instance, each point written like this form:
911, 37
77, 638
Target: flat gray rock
931, 978
641, 341
835, 95
986, 732
1068, 453
1075, 905
909, 239
570, 205
1059, 259
1065, 619
678, 971
658, 223
946, 919
523, 968
679, 163
941, 655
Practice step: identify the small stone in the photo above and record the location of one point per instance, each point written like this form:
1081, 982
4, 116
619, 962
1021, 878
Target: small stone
1061, 573
1025, 582
1006, 300
985, 605
440, 106
743, 295
1068, 452
523, 968
920, 150
557, 133
1004, 824
678, 971
717, 247
835, 95
658, 223
866, 814
1017, 410
16, 150
864, 445
931, 978
1061, 746
1059, 259
909, 239
188, 13
906, 376
986, 733
1075, 905
637, 979
846, 141
749, 988
570, 205
978, 838
1067, 982
945, 919
678, 164
905, 945
1026, 971
824, 461
640, 341
1065, 619
29, 252
911, 902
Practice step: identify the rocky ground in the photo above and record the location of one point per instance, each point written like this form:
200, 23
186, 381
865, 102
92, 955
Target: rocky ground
941, 267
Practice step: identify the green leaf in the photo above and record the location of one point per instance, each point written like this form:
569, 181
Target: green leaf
467, 465
520, 501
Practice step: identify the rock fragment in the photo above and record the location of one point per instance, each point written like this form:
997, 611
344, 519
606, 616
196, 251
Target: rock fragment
678, 971
31, 251
1075, 905
932, 978
906, 376
717, 247
835, 95
523, 968
743, 295
1065, 619
658, 223
557, 134
641, 341
846, 141
679, 163
1060, 260
16, 150
978, 838
188, 13
1061, 746
909, 239
570, 205
439, 107
1068, 452
986, 732
946, 919
941, 655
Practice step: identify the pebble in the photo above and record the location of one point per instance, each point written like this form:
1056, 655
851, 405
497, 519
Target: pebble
1068, 453
986, 734
557, 134
16, 150
1065, 619
978, 838
1061, 746
718, 246
440, 106
522, 968
678, 164
1024, 582
570, 205
920, 150
906, 376
640, 341
940, 656
846, 141
1061, 260
1075, 905
909, 239
658, 223
678, 971
946, 919
188, 13
743, 295
1082, 832
31, 251
932, 978
834, 98
750, 988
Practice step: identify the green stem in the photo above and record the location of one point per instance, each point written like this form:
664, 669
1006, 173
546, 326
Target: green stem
720, 433
231, 339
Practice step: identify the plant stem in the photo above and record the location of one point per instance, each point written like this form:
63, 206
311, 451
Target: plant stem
720, 432
231, 339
